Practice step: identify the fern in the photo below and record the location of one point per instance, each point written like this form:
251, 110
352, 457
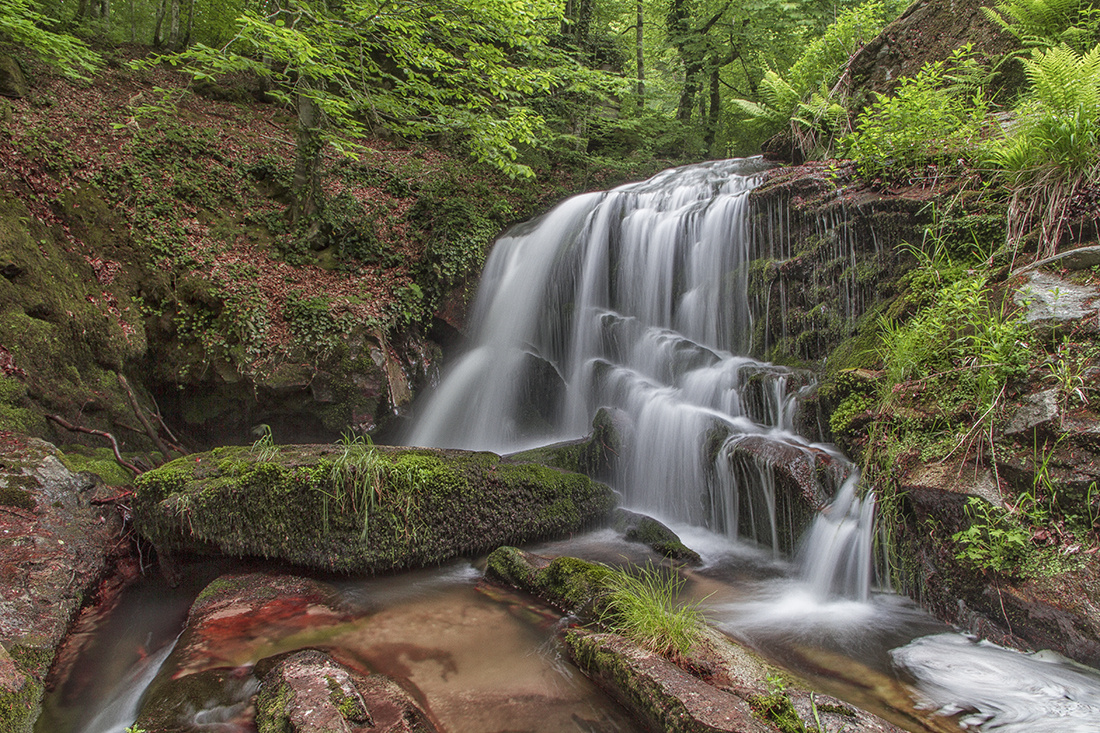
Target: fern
1045, 23
809, 97
1052, 152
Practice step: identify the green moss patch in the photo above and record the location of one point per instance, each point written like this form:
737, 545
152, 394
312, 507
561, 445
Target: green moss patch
382, 509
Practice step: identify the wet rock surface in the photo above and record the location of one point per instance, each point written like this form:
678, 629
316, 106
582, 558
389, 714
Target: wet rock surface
309, 692
55, 549
236, 622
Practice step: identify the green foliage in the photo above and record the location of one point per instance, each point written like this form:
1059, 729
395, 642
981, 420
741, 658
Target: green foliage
420, 69
848, 410
644, 607
934, 118
1051, 154
995, 540
961, 336
312, 323
21, 23
806, 96
1044, 23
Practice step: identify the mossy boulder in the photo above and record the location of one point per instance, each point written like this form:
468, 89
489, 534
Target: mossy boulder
648, 531
359, 508
566, 583
593, 455
657, 691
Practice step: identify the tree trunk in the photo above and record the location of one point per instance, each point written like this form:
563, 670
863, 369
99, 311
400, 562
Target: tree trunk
641, 57
174, 26
306, 183
190, 24
715, 108
133, 22
157, 40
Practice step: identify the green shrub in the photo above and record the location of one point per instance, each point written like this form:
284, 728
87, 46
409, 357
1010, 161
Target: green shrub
1044, 23
1051, 154
934, 118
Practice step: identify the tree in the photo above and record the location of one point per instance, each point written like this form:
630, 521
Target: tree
418, 68
22, 24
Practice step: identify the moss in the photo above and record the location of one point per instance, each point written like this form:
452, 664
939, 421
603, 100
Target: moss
777, 709
422, 508
16, 497
650, 532
567, 583
349, 706
99, 461
18, 710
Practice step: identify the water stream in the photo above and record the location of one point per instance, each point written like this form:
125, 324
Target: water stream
637, 300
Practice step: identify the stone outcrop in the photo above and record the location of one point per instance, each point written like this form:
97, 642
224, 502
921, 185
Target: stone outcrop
359, 508
718, 685
55, 548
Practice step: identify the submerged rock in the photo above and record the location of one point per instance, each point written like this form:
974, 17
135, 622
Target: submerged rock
309, 692
359, 508
236, 622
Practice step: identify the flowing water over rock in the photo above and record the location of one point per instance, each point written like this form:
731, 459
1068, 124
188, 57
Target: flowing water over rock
637, 299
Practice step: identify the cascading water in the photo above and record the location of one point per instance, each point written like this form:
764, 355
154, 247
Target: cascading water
637, 300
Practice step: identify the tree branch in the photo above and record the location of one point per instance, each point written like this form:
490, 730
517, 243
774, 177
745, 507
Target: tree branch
114, 443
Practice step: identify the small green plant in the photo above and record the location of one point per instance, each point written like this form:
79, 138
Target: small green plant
355, 478
1045, 23
264, 449
1051, 155
995, 540
644, 606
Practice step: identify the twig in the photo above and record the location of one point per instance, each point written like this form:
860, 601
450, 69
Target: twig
114, 443
153, 435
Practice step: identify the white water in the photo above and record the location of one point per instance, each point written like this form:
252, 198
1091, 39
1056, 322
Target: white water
637, 299
122, 704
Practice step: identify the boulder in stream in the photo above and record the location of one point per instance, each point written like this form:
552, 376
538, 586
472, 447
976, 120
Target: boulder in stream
359, 508
310, 692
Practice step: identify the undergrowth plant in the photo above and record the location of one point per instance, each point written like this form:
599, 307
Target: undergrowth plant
1051, 154
355, 477
1045, 23
643, 605
933, 118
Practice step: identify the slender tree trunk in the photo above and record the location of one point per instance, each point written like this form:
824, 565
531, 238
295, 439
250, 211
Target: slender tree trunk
715, 108
306, 183
174, 26
640, 57
157, 40
133, 22
190, 23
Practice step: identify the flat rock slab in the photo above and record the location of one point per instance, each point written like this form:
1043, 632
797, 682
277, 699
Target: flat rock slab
309, 692
360, 508
55, 548
1052, 300
664, 696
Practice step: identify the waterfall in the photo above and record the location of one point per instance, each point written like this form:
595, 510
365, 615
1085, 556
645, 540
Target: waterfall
638, 299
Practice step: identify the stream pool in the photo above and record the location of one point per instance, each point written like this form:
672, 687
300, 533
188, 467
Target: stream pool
483, 659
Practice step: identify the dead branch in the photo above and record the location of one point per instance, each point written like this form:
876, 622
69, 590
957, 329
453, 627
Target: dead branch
154, 436
102, 433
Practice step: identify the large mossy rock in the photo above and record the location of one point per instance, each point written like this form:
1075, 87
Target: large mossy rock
359, 508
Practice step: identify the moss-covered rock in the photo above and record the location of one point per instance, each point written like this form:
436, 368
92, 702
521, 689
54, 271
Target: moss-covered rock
566, 583
648, 531
658, 692
359, 508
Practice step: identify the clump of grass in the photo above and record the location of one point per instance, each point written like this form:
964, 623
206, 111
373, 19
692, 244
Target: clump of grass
644, 607
355, 476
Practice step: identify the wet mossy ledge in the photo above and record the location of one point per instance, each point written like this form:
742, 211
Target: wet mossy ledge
359, 508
